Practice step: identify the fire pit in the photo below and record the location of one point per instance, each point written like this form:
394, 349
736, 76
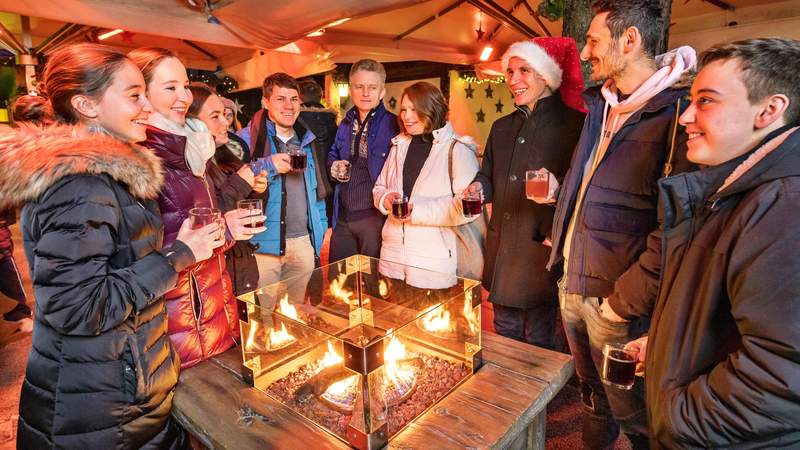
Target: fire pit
361, 355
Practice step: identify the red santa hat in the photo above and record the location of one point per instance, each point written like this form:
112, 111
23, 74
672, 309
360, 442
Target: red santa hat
556, 60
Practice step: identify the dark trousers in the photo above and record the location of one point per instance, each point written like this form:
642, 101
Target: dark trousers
11, 286
362, 236
535, 325
605, 408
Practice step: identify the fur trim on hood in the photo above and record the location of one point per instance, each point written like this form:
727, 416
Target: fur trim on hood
33, 160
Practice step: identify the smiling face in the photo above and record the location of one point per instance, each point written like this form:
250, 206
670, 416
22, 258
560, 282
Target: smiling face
283, 105
122, 110
212, 114
366, 90
412, 122
603, 52
168, 90
526, 85
720, 121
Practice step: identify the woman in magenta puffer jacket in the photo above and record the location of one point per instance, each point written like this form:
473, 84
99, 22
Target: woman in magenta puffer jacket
201, 310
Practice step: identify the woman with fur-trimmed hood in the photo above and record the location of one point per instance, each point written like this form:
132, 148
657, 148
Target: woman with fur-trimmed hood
101, 370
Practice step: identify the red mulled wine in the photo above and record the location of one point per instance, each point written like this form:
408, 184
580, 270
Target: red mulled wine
255, 224
298, 161
400, 208
471, 206
619, 368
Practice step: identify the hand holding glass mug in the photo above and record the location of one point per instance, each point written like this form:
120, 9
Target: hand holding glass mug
340, 170
282, 162
297, 157
540, 186
399, 205
248, 219
201, 232
472, 200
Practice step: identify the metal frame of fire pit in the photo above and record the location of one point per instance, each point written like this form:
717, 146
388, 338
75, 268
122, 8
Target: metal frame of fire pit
363, 346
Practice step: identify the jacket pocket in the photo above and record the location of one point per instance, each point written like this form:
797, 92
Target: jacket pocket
619, 219
129, 375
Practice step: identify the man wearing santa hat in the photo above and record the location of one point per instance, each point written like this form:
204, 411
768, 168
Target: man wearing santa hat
545, 81
607, 205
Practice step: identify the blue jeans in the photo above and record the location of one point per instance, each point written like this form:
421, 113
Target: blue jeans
605, 408
535, 325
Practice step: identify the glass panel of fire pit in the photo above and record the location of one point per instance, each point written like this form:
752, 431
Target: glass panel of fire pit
361, 347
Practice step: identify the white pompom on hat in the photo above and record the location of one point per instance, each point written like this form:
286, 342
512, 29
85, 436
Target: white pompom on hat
539, 60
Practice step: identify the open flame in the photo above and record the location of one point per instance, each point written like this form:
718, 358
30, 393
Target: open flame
383, 288
439, 321
287, 309
338, 291
341, 388
403, 378
331, 358
469, 314
280, 338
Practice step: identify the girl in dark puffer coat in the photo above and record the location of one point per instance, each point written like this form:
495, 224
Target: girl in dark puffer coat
202, 314
101, 371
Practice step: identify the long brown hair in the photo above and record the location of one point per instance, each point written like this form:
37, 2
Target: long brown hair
430, 104
81, 69
200, 93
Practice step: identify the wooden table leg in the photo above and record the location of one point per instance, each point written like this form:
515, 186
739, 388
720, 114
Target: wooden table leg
536, 431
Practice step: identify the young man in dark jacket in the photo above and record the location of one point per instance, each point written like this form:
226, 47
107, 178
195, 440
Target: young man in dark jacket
362, 143
607, 204
540, 134
723, 357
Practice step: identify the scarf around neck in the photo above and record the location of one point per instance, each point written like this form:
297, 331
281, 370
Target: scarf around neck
200, 145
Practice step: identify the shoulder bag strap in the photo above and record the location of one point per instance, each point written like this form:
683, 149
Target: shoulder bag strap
450, 165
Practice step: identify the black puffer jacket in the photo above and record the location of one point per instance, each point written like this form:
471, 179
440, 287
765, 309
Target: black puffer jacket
101, 371
723, 360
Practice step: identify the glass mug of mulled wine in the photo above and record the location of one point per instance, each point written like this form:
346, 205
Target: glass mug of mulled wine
343, 170
297, 158
400, 207
537, 184
255, 208
619, 365
202, 216
471, 203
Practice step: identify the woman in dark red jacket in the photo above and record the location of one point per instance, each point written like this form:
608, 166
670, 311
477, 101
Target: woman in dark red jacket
201, 310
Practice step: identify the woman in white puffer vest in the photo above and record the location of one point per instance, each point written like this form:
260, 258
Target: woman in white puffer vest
418, 167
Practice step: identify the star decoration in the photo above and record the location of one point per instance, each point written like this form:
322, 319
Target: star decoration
469, 91
237, 106
489, 91
392, 103
499, 106
481, 115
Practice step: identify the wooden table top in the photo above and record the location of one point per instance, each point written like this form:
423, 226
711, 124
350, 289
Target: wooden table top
490, 409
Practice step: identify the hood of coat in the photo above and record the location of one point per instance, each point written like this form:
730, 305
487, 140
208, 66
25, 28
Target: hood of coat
33, 160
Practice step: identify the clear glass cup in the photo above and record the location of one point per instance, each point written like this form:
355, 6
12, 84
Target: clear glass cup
471, 203
202, 216
537, 184
343, 171
255, 207
297, 158
400, 207
619, 365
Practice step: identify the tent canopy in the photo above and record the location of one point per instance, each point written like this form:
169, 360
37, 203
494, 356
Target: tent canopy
248, 32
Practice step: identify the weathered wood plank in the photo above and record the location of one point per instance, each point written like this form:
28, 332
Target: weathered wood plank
500, 406
213, 406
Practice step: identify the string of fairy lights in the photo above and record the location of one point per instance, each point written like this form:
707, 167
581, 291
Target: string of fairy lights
472, 79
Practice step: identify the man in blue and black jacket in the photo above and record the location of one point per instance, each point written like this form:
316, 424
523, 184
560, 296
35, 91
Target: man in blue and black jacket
362, 143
